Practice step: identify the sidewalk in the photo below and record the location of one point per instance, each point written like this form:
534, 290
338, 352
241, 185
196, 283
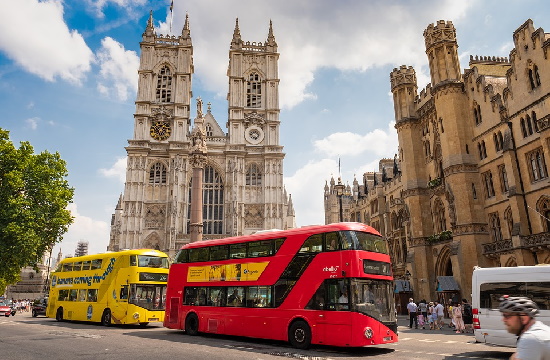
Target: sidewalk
403, 325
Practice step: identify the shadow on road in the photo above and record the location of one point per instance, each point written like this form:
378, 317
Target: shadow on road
481, 355
259, 346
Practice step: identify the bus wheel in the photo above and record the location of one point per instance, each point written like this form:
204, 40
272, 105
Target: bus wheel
192, 324
299, 335
59, 314
143, 324
34, 314
106, 318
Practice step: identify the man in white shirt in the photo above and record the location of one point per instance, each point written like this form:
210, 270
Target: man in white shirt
439, 310
412, 308
518, 314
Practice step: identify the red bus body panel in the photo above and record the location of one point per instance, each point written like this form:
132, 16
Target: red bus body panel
337, 328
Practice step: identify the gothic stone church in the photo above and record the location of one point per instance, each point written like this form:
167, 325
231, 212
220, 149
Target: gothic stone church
243, 189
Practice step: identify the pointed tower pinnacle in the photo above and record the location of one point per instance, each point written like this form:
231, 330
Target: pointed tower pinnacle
271, 38
186, 32
236, 42
149, 29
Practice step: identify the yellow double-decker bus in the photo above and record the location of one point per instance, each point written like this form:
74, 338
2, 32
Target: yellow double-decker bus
124, 287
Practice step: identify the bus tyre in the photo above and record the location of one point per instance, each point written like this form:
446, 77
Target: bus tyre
34, 314
143, 324
192, 324
106, 318
299, 335
59, 314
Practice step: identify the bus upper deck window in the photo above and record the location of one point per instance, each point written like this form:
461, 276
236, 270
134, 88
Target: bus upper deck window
346, 239
133, 260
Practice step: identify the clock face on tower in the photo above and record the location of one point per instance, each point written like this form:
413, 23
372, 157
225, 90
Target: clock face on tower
254, 135
160, 130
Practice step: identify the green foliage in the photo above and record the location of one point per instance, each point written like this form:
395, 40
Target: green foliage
34, 195
442, 236
434, 183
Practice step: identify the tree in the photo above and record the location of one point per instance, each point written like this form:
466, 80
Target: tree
34, 195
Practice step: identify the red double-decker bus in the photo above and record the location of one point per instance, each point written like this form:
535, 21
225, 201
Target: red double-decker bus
329, 284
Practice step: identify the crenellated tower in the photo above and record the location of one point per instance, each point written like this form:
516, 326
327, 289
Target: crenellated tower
441, 48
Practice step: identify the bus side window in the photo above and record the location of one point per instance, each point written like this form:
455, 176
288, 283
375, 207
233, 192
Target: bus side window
317, 301
235, 297
92, 295
73, 295
237, 251
313, 244
82, 295
86, 265
133, 260
331, 241
124, 292
346, 240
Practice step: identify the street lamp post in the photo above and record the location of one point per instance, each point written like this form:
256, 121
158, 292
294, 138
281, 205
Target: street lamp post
340, 192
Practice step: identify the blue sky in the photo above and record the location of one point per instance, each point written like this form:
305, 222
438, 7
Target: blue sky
68, 78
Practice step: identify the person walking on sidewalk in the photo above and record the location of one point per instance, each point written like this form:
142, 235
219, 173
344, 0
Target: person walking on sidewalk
518, 315
412, 308
439, 311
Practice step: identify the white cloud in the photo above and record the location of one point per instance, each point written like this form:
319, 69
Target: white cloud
354, 36
306, 187
377, 142
33, 122
98, 5
85, 228
119, 68
117, 171
37, 38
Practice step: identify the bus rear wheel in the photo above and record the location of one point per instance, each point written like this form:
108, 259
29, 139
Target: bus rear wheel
106, 318
192, 324
299, 335
59, 314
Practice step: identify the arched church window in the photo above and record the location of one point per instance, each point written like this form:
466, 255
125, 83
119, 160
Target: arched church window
508, 218
523, 130
164, 85
544, 209
440, 223
157, 174
529, 125
254, 91
253, 175
534, 116
212, 197
494, 227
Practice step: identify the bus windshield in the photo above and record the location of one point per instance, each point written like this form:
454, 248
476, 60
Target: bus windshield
150, 297
373, 298
149, 261
368, 242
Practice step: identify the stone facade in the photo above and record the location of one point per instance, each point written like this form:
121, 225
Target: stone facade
470, 184
243, 187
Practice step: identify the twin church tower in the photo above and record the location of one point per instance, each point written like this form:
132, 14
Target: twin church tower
242, 171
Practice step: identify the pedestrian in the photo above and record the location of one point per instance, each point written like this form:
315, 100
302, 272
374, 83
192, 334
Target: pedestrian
431, 318
467, 316
422, 313
518, 315
439, 311
412, 308
457, 316
450, 313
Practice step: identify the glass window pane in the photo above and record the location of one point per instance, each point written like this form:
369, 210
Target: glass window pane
218, 252
86, 265
237, 251
331, 241
313, 244
260, 248
235, 296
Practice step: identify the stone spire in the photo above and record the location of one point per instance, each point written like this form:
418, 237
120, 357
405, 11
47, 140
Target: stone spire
149, 29
186, 32
271, 43
236, 42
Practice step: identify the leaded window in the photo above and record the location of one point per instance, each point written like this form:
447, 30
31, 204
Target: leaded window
164, 85
254, 91
157, 174
213, 200
253, 175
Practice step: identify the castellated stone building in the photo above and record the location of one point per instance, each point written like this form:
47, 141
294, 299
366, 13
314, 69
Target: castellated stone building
470, 184
243, 189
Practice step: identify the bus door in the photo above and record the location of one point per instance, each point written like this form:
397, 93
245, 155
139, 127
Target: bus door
334, 320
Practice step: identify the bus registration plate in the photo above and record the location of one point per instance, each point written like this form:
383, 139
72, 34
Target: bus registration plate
153, 319
388, 338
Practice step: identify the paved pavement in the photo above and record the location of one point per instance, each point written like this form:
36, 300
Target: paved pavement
403, 325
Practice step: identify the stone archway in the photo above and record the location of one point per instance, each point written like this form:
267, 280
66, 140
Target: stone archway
511, 262
443, 265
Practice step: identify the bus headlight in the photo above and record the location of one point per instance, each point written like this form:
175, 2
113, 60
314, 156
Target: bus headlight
368, 333
136, 315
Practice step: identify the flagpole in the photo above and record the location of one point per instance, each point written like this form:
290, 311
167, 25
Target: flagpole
171, 16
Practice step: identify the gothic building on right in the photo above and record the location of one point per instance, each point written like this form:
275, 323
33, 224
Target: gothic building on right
470, 184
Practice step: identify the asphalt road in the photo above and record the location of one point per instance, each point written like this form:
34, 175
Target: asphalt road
23, 337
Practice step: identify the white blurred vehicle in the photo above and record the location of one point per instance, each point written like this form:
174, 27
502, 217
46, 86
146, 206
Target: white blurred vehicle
490, 284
